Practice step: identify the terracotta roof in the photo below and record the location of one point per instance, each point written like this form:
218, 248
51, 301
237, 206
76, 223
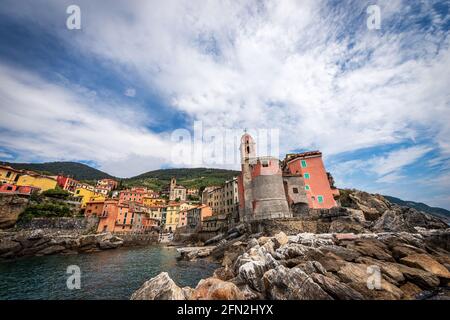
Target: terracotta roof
292, 156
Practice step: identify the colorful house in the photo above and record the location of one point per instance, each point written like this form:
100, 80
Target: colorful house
196, 215
88, 195
67, 183
172, 217
94, 208
11, 188
108, 217
135, 195
319, 187
149, 201
9, 175
38, 181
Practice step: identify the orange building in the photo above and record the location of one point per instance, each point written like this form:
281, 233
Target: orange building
126, 217
134, 194
109, 216
319, 186
94, 208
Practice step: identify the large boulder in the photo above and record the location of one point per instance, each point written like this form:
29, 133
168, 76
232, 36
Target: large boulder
161, 287
216, 289
9, 247
52, 250
372, 248
336, 289
421, 278
11, 206
406, 219
427, 263
357, 276
292, 284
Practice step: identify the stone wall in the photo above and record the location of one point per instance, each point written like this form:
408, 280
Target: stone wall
79, 224
137, 239
11, 205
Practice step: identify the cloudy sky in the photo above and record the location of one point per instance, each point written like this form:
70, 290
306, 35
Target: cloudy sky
375, 102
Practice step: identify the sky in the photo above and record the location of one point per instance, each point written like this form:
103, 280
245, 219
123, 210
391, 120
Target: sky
116, 93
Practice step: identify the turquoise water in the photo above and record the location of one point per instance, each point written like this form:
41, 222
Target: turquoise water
113, 274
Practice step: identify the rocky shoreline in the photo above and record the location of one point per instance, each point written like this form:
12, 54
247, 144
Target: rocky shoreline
369, 250
40, 242
321, 266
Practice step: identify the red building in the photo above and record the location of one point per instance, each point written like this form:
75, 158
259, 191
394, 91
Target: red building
12, 188
319, 186
67, 183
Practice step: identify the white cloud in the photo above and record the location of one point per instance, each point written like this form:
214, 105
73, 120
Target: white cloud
53, 122
397, 159
130, 92
300, 66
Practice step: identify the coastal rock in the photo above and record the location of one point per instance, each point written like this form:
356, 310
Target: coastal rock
292, 284
11, 206
252, 272
336, 289
422, 278
224, 273
311, 267
406, 219
280, 239
36, 234
52, 250
404, 250
342, 252
410, 291
389, 270
357, 276
9, 246
372, 248
161, 287
425, 262
216, 289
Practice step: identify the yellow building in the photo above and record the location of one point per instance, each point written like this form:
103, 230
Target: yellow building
34, 180
150, 202
88, 195
9, 175
173, 215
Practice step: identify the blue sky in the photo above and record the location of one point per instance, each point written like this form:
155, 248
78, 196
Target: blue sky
375, 102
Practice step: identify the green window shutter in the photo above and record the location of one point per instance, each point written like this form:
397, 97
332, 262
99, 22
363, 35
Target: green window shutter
320, 199
306, 175
304, 165
307, 187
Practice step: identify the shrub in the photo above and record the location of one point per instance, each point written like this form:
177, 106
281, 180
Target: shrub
47, 210
56, 193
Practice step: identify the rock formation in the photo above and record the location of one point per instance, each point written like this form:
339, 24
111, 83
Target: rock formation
11, 206
40, 242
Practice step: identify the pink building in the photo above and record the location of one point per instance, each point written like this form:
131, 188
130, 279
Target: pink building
319, 186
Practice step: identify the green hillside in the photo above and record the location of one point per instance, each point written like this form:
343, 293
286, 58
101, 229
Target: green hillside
76, 170
188, 177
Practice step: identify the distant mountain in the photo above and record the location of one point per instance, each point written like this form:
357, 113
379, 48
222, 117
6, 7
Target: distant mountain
188, 177
76, 170
439, 212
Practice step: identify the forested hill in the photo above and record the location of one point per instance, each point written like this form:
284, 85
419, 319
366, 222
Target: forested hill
76, 170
